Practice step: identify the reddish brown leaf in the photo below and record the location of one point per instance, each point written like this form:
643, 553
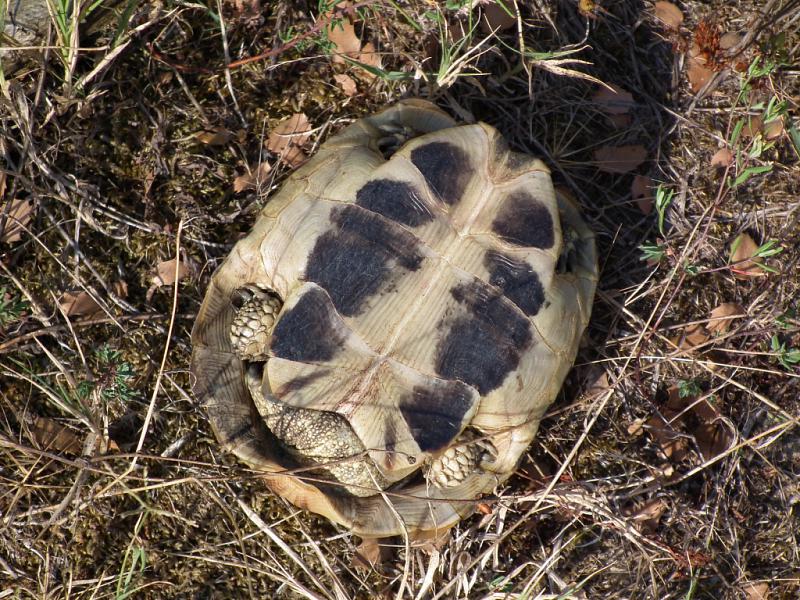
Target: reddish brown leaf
216, 136
669, 14
722, 317
78, 304
729, 40
742, 260
288, 138
692, 336
753, 126
498, 16
774, 129
253, 179
756, 591
713, 438
619, 159
368, 554
346, 83
620, 121
369, 56
722, 158
345, 42
52, 436
15, 215
646, 515
615, 101
292, 131
697, 73
166, 272
642, 193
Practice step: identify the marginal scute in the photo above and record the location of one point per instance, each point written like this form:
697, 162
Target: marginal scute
355, 258
482, 346
445, 167
525, 221
307, 332
435, 414
396, 200
518, 280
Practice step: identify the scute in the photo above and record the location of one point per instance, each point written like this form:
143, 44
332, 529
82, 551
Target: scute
427, 299
446, 168
525, 221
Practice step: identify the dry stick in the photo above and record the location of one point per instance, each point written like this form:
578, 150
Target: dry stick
227, 54
278, 541
12, 343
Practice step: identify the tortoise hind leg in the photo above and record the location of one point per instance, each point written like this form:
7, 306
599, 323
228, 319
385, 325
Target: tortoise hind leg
318, 438
460, 461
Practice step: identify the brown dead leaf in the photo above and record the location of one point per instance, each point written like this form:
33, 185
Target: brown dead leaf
215, 136
722, 316
722, 158
615, 101
620, 121
166, 272
52, 436
253, 179
346, 83
345, 42
430, 541
673, 444
729, 40
636, 427
697, 73
371, 57
642, 193
753, 126
288, 137
692, 336
743, 263
671, 428
619, 159
78, 304
669, 14
646, 515
712, 438
15, 215
498, 16
774, 129
756, 591
369, 554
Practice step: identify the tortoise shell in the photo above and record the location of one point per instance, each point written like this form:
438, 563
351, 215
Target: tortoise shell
441, 288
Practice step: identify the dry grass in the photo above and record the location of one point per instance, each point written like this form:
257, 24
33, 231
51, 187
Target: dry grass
111, 484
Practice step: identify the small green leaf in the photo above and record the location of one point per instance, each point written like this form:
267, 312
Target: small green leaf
737, 131
749, 172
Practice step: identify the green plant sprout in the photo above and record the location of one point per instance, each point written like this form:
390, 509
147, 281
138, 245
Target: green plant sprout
787, 357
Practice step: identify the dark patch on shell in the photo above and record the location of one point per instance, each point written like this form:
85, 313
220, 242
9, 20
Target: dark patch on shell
483, 346
435, 414
396, 200
354, 259
445, 167
298, 383
525, 221
519, 282
307, 332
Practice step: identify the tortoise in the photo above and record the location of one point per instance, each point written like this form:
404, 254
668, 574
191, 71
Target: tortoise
386, 339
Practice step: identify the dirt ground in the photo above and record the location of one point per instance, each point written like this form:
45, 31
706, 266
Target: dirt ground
133, 160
